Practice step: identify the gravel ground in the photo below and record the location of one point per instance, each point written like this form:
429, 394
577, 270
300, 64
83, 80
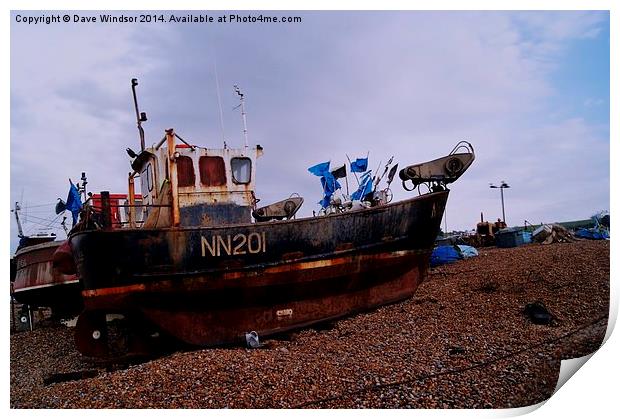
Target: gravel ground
462, 341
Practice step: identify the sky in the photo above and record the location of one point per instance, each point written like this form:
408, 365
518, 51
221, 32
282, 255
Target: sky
529, 90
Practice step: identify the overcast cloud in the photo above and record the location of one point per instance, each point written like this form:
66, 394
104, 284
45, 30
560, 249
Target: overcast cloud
408, 84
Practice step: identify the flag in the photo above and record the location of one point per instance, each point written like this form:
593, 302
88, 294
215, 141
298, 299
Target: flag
391, 174
74, 202
319, 169
359, 165
60, 206
325, 201
365, 187
340, 172
329, 183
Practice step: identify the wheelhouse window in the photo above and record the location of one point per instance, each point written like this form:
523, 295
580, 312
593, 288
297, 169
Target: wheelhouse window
241, 169
212, 171
185, 171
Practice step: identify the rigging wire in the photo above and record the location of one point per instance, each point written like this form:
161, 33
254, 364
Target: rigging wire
42, 224
39, 205
219, 102
41, 218
55, 219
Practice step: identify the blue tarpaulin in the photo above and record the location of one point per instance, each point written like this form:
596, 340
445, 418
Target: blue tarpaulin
74, 202
359, 165
467, 251
592, 233
445, 254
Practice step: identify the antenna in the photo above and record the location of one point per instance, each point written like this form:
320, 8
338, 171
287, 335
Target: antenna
245, 125
219, 102
140, 116
82, 189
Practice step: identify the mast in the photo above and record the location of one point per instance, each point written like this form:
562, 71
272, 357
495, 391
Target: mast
19, 224
140, 116
245, 125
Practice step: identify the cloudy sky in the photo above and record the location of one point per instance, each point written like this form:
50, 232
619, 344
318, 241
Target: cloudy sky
529, 90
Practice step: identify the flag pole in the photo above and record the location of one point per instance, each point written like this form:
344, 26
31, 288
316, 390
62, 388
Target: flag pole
375, 176
356, 178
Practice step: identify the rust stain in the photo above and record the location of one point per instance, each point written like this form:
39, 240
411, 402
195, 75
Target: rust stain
177, 244
299, 266
344, 246
292, 255
114, 290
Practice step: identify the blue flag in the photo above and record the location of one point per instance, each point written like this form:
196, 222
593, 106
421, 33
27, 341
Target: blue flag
74, 202
325, 201
329, 183
359, 165
319, 169
365, 187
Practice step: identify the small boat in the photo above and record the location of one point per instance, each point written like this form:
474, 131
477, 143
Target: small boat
34, 281
38, 284
208, 267
38, 281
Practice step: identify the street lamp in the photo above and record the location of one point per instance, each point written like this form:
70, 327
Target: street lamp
501, 188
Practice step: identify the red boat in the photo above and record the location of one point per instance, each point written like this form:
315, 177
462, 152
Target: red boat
38, 284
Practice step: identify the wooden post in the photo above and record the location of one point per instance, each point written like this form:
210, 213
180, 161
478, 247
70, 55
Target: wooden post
106, 211
13, 327
30, 318
132, 201
174, 181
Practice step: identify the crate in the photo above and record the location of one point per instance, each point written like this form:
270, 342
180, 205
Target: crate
510, 237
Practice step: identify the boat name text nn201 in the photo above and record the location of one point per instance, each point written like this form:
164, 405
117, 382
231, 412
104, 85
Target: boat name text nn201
238, 244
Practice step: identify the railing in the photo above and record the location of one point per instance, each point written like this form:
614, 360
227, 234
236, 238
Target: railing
107, 219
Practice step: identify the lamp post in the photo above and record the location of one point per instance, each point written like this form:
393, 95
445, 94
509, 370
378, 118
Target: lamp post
501, 189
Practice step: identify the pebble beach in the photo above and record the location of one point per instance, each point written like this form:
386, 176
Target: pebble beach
462, 341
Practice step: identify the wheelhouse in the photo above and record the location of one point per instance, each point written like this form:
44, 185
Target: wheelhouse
203, 186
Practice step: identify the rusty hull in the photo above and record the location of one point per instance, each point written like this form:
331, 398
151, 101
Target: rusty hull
38, 284
209, 286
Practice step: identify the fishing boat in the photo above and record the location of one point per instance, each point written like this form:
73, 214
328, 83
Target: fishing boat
208, 267
37, 284
37, 280
34, 281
